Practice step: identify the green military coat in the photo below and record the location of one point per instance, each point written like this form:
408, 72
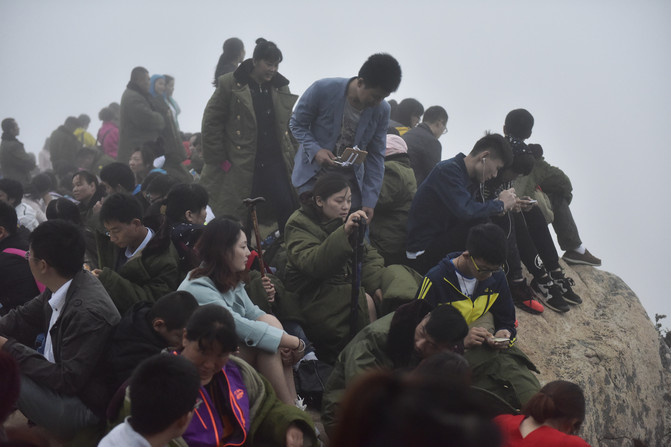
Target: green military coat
230, 139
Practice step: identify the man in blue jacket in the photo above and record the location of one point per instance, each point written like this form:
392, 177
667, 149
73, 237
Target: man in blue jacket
338, 113
445, 207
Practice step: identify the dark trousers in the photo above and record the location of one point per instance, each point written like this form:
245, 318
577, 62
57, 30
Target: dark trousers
540, 240
272, 183
564, 225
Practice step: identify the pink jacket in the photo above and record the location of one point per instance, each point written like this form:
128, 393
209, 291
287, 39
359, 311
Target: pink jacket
108, 138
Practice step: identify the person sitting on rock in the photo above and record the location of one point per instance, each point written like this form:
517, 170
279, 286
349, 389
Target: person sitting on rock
555, 184
530, 241
143, 265
473, 282
415, 331
550, 418
445, 206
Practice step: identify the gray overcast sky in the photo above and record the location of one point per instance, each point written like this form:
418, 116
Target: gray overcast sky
595, 74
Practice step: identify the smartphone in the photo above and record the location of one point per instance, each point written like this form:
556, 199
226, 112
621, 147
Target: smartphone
532, 201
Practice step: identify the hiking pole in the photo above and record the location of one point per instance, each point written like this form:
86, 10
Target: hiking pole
251, 204
357, 263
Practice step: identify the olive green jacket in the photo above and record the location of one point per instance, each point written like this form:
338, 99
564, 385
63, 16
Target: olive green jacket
389, 225
319, 270
230, 139
147, 276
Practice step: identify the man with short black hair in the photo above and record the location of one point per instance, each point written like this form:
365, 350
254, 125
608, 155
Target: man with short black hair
17, 285
139, 121
164, 392
473, 282
553, 182
424, 149
339, 113
415, 331
62, 390
146, 330
15, 162
143, 265
445, 208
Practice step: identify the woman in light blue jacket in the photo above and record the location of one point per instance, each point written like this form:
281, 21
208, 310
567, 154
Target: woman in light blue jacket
219, 279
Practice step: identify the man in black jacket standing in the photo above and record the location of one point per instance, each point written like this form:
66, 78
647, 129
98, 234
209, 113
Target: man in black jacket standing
424, 149
63, 389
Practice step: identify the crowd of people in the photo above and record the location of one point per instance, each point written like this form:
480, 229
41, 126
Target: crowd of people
167, 287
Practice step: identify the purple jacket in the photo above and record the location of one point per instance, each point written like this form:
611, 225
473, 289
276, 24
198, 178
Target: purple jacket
206, 428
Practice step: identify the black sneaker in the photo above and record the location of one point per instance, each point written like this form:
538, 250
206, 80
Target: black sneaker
525, 298
566, 284
551, 295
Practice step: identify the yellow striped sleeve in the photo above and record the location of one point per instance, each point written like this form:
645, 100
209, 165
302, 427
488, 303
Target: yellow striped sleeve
426, 285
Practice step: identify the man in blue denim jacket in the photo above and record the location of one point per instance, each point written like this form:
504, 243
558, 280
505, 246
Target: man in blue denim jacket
338, 113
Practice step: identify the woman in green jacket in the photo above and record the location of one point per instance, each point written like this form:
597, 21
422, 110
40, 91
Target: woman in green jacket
319, 267
247, 148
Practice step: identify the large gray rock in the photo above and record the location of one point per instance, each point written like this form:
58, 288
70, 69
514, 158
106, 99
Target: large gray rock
610, 347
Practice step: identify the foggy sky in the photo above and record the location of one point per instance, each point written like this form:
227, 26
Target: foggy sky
595, 75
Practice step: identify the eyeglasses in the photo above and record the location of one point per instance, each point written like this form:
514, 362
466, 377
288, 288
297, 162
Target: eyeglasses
497, 269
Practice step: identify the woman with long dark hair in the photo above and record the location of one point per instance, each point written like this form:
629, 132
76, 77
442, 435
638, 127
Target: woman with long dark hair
219, 279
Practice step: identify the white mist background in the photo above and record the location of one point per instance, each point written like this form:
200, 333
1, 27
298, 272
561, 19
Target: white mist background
595, 75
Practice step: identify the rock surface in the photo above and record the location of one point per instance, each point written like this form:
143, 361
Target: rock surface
610, 347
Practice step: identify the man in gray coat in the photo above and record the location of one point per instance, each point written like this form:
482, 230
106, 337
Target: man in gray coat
62, 389
139, 122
